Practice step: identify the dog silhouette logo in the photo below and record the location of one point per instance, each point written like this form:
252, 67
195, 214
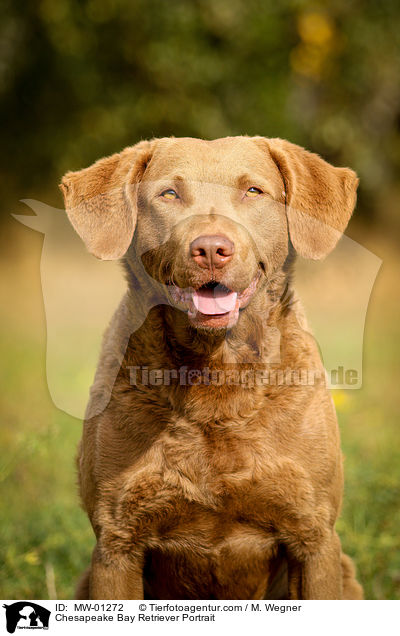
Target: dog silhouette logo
26, 615
78, 309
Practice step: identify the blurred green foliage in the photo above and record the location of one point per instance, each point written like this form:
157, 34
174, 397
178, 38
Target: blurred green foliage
83, 78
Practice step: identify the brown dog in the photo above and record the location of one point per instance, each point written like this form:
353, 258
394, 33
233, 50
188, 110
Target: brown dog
207, 469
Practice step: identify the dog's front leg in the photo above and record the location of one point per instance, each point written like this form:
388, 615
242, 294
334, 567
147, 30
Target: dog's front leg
320, 573
116, 575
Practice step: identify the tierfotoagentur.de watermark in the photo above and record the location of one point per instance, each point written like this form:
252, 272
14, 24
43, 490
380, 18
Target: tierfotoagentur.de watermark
185, 376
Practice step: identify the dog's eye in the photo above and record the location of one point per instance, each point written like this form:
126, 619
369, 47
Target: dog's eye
169, 194
253, 192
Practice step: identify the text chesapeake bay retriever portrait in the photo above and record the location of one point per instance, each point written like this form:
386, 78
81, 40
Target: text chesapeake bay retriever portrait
210, 464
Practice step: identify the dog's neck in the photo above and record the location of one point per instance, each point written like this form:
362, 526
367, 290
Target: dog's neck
208, 373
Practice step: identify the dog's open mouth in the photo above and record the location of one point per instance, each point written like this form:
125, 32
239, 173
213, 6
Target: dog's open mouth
213, 305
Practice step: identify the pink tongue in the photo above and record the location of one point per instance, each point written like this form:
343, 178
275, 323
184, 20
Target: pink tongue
214, 301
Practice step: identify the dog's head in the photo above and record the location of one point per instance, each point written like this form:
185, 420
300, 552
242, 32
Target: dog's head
211, 221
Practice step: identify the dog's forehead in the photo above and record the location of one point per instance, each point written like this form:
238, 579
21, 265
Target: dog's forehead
219, 160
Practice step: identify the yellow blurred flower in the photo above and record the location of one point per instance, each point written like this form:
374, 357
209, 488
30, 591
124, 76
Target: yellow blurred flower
341, 400
317, 36
306, 60
315, 28
32, 557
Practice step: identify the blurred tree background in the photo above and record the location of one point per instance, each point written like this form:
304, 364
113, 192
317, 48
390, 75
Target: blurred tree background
81, 79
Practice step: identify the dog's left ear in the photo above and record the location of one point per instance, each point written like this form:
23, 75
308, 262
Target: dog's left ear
319, 197
101, 200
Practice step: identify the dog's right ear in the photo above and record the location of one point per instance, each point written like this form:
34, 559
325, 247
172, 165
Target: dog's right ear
101, 200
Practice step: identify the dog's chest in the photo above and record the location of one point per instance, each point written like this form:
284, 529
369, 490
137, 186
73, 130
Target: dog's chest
212, 465
208, 530
212, 492
213, 556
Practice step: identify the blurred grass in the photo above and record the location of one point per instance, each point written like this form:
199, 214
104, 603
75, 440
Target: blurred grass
43, 531
44, 534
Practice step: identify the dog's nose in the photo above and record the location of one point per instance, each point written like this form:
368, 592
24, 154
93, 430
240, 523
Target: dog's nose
210, 251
